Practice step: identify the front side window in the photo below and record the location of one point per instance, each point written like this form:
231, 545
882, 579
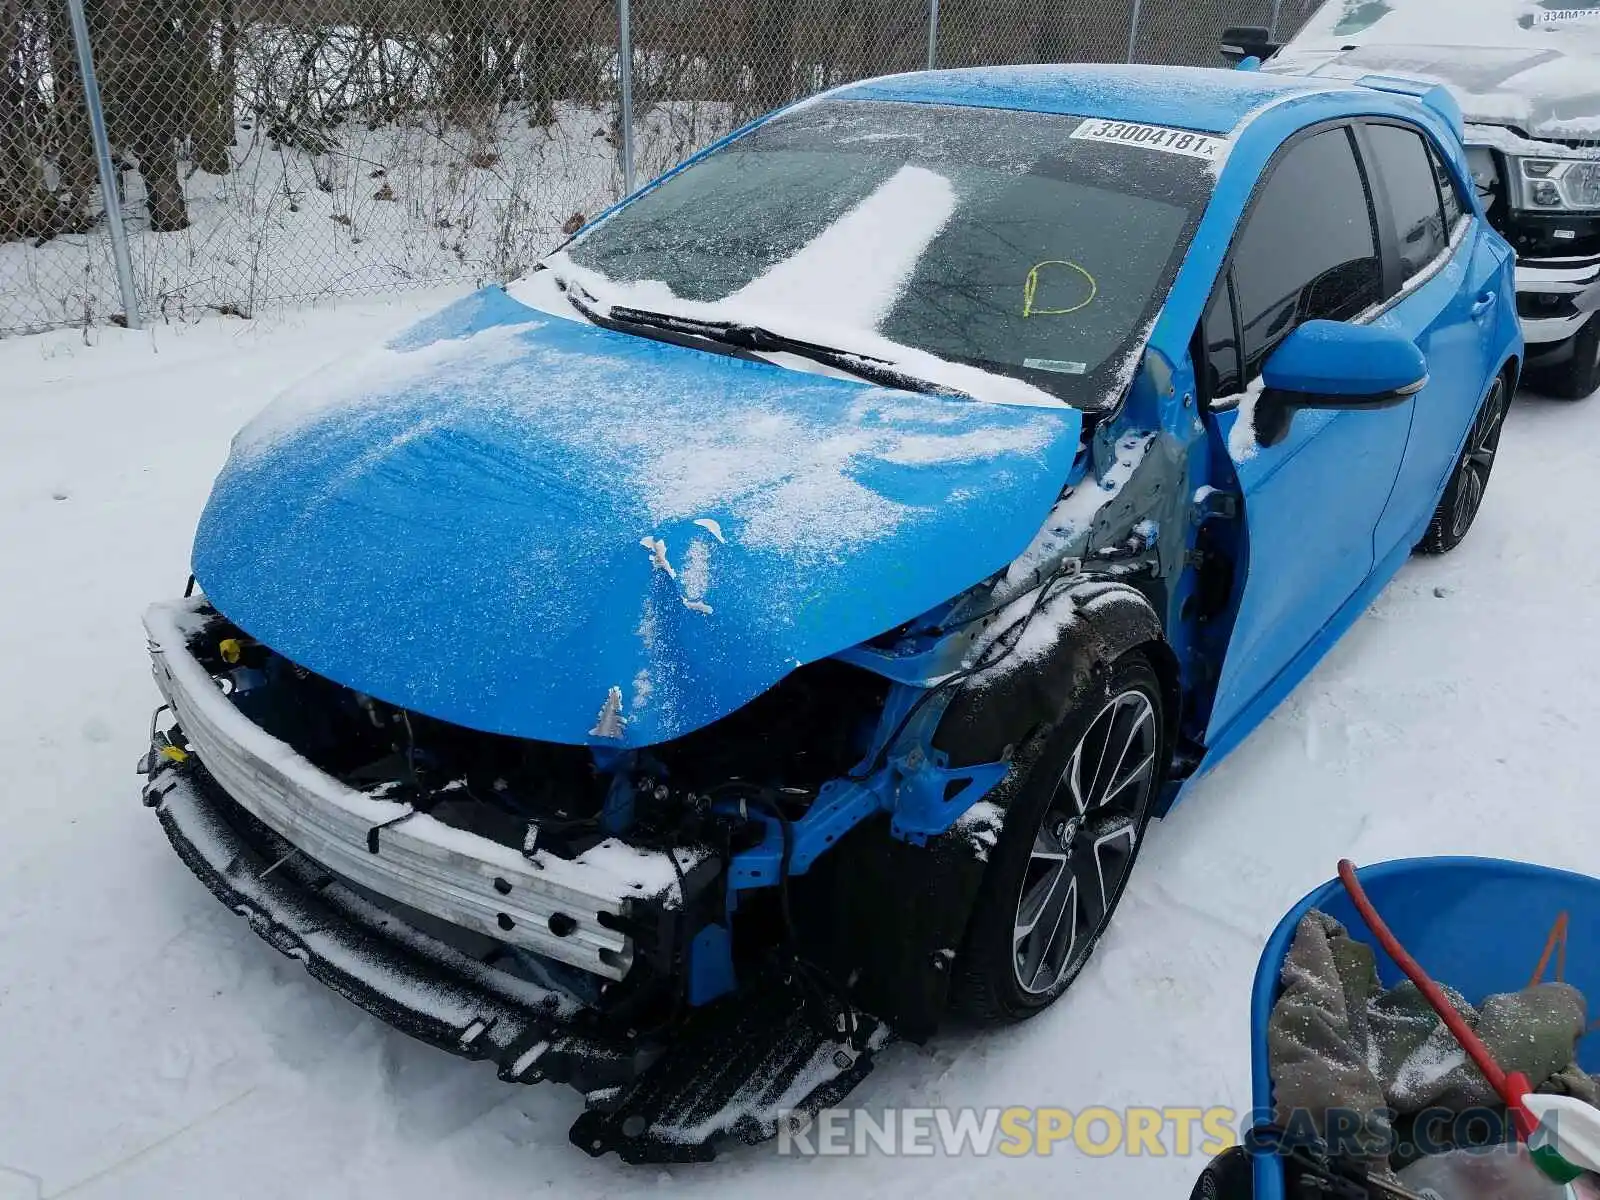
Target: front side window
986, 237
1421, 232
1451, 198
1308, 250
1221, 343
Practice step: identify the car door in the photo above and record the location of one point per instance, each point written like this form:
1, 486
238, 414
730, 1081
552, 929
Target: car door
1308, 249
1443, 290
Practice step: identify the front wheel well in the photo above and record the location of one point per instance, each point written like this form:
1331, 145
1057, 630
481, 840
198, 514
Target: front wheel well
994, 714
1165, 664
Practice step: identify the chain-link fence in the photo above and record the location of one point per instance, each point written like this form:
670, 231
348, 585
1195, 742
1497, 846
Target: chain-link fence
272, 151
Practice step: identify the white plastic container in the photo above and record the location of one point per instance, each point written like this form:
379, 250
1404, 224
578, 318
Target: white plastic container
1495, 1173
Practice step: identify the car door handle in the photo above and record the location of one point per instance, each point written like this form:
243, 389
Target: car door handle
1484, 305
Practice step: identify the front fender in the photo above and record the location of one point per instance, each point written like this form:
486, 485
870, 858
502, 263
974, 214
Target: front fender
998, 709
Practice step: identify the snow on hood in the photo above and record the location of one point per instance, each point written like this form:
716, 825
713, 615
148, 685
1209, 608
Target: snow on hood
546, 529
1509, 62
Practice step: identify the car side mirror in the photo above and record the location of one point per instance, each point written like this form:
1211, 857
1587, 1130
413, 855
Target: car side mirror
1240, 42
1335, 365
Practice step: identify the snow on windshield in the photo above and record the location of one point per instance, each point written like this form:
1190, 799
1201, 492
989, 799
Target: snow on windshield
860, 265
837, 288
1012, 256
804, 299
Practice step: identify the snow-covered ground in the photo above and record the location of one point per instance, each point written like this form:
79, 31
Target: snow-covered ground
150, 1045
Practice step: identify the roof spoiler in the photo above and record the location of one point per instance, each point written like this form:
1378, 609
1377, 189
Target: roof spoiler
1243, 42
1433, 95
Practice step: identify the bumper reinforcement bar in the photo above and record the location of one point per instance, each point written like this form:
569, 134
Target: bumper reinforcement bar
734, 1070
395, 972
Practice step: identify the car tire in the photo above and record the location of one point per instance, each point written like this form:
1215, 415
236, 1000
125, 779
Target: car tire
1463, 495
1579, 376
1069, 828
1229, 1176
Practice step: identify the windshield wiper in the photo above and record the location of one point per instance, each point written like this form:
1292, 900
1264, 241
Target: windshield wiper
766, 341
755, 339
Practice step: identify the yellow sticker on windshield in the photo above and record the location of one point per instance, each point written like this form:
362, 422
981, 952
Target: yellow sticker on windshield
1152, 137
1081, 280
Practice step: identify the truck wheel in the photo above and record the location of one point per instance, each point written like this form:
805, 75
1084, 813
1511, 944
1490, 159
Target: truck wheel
1068, 845
1463, 495
1579, 376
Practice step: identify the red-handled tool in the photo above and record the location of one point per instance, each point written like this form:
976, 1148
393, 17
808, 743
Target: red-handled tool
1509, 1086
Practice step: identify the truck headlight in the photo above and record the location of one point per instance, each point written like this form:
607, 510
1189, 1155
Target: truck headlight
1557, 185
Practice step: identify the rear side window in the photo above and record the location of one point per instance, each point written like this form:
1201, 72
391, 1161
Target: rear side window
1308, 251
1421, 231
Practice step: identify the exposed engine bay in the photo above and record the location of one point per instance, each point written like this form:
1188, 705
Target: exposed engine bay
565, 799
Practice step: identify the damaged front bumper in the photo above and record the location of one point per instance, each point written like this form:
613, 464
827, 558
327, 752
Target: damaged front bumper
734, 1070
426, 926
573, 911
396, 972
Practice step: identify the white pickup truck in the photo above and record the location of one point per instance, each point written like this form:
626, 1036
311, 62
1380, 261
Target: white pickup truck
1527, 76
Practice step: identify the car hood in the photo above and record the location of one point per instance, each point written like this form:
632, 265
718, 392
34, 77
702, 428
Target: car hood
537, 527
1542, 90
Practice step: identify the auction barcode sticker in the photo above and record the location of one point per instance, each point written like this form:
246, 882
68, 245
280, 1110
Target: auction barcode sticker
1554, 16
1152, 137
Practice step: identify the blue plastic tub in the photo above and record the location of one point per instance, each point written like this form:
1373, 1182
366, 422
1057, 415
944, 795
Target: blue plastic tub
1480, 925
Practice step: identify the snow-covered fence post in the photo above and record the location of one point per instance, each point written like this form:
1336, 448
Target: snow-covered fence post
1272, 29
1133, 30
625, 78
933, 33
108, 171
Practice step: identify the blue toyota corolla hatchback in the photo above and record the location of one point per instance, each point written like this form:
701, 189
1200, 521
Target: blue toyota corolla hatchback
799, 593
